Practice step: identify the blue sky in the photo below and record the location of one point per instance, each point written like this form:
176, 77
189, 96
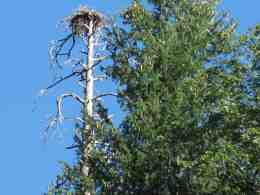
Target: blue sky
28, 164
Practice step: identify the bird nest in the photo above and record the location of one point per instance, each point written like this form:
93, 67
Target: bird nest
80, 21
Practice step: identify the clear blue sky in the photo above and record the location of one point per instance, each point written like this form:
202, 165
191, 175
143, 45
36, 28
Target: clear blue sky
27, 165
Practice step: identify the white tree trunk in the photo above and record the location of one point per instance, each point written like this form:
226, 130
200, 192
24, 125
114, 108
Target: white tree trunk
89, 94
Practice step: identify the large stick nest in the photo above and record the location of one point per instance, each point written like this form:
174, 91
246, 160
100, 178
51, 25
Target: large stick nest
79, 22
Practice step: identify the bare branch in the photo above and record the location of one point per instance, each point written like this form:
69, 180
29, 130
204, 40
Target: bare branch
96, 64
55, 120
105, 94
91, 68
76, 73
100, 58
52, 123
71, 95
58, 46
84, 52
81, 84
76, 119
73, 146
72, 46
100, 78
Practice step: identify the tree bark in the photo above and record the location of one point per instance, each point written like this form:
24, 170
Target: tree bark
88, 109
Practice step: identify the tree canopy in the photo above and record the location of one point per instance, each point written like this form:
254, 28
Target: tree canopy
189, 85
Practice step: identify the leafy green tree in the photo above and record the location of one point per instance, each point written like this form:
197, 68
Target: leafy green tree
188, 83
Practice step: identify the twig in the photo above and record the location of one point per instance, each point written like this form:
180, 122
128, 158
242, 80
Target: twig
105, 94
100, 78
76, 73
73, 146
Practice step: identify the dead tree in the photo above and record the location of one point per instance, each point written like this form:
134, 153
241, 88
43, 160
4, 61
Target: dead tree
84, 26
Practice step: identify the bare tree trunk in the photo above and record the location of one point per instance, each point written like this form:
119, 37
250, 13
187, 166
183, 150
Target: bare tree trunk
85, 24
88, 110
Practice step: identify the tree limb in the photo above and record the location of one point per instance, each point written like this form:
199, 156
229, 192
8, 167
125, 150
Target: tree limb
76, 73
56, 50
105, 94
100, 78
73, 146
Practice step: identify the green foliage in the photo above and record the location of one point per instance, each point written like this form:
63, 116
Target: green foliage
183, 75
189, 85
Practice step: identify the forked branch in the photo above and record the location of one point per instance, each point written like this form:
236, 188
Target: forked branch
54, 120
68, 95
56, 50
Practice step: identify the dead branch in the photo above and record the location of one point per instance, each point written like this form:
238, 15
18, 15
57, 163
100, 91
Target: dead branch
84, 53
98, 61
56, 49
101, 58
100, 78
52, 123
105, 94
73, 147
81, 84
76, 73
59, 118
90, 68
75, 119
68, 95
60, 100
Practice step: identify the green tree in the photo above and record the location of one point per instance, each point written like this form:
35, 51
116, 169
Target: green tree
188, 83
